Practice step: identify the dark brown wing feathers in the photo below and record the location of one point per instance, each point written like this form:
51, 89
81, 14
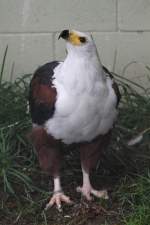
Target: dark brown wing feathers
42, 95
114, 85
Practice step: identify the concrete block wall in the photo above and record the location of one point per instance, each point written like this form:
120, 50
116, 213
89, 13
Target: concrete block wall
30, 28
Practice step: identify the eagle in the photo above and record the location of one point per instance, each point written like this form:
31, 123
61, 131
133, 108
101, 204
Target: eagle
73, 102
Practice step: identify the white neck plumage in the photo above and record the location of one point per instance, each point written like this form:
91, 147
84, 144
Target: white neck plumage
81, 70
83, 63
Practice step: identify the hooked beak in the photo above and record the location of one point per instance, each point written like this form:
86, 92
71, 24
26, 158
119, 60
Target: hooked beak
64, 34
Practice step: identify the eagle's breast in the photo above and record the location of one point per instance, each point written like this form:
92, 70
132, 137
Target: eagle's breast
85, 105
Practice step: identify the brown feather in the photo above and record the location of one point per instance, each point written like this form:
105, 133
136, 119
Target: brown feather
90, 152
42, 92
47, 150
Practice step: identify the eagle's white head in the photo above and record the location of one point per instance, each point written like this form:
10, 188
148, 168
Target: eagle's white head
78, 42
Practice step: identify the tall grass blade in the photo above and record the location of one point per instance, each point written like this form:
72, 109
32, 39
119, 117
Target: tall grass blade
3, 65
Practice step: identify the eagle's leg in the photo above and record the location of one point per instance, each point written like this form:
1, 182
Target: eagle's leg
90, 154
58, 195
87, 188
49, 156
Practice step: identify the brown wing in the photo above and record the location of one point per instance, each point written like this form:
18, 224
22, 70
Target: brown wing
42, 94
114, 85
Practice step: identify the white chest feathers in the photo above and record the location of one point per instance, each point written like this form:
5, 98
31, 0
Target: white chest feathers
85, 105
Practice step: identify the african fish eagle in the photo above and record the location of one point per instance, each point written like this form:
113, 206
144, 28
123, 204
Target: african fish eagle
73, 102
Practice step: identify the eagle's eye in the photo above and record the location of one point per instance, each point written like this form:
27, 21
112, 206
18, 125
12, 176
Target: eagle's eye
82, 39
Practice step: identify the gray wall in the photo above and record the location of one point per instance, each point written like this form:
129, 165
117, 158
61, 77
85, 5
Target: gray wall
121, 29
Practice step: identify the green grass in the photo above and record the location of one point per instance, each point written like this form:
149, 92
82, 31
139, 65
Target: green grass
134, 195
24, 188
15, 153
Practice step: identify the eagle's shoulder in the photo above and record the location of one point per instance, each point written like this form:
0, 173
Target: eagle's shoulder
45, 72
42, 94
114, 84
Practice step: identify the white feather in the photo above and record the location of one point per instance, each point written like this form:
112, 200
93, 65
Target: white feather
135, 140
86, 102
